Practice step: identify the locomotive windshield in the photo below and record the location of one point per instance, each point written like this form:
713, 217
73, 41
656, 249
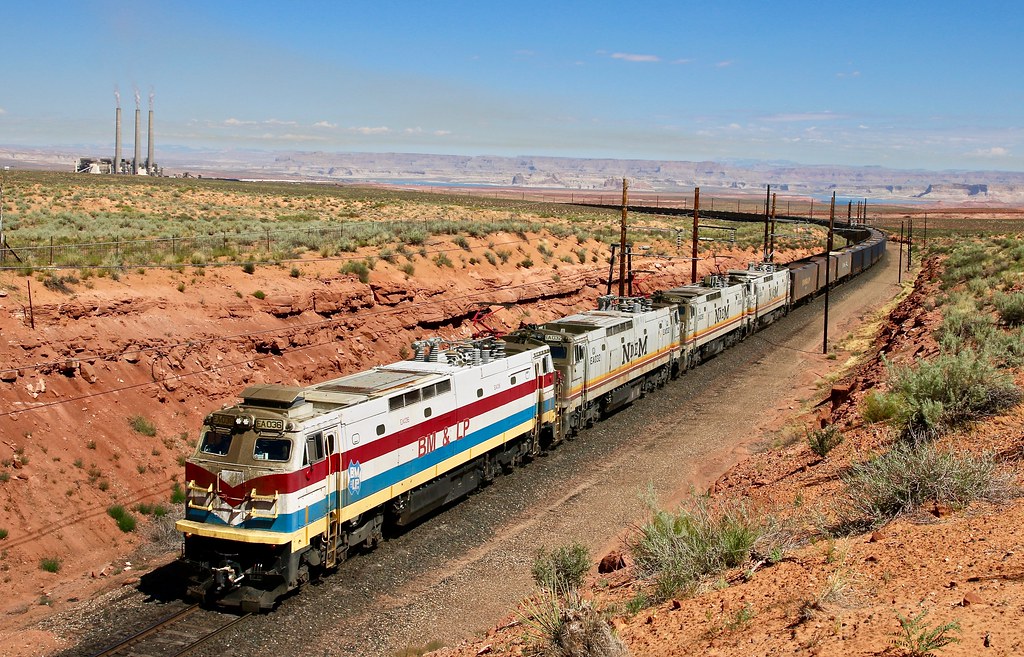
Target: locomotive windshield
272, 449
215, 443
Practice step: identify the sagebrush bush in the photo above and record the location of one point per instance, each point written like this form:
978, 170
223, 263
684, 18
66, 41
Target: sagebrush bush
562, 569
1010, 308
902, 479
879, 407
703, 538
824, 440
359, 268
568, 626
125, 520
143, 425
948, 391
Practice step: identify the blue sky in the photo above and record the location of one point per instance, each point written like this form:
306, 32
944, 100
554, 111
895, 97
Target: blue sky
937, 85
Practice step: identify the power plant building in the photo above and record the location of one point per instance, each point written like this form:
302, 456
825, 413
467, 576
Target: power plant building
117, 165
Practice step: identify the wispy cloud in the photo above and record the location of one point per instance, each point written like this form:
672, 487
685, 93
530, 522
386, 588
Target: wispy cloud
848, 74
367, 130
725, 63
2, 111
795, 117
682, 61
274, 122
995, 151
325, 124
634, 57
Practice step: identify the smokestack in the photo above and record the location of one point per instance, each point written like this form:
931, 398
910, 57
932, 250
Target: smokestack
149, 151
138, 142
117, 142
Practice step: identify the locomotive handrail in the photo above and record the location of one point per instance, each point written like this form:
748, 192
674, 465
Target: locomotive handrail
272, 512
254, 496
191, 485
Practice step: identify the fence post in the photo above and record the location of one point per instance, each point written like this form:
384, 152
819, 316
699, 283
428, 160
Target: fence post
51, 250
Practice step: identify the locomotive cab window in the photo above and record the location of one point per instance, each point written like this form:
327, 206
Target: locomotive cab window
272, 449
215, 443
314, 448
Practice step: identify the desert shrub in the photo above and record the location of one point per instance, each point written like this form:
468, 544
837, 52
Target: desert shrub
60, 284
962, 323
703, 538
581, 255
125, 520
1006, 348
249, 267
503, 255
295, 273
902, 479
3, 533
525, 263
50, 564
260, 294
491, 258
359, 268
879, 407
177, 494
920, 639
563, 569
1010, 308
568, 626
824, 440
461, 242
948, 391
442, 260
408, 269
142, 425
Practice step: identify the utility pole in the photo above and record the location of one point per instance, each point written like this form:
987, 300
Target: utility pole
3, 242
696, 211
622, 240
828, 270
767, 203
771, 253
910, 241
899, 267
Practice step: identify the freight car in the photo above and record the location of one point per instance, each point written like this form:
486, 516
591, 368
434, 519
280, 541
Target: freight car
287, 482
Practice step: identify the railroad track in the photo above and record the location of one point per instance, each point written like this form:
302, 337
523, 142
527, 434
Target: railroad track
177, 634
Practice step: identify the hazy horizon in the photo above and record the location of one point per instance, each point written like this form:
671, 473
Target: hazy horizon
906, 87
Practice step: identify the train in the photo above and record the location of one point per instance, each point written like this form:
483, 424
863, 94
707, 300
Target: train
289, 481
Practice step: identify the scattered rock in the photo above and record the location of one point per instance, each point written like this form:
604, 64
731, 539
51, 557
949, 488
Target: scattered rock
941, 510
972, 598
611, 562
875, 537
87, 372
9, 376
